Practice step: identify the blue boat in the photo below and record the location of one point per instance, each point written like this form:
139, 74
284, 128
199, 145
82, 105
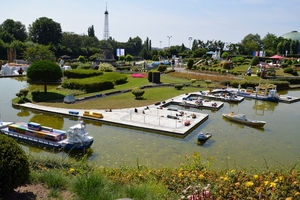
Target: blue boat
75, 138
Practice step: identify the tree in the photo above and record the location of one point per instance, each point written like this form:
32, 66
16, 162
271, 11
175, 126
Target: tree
254, 61
91, 31
138, 93
129, 58
37, 52
45, 31
44, 71
208, 82
190, 63
251, 43
15, 28
270, 42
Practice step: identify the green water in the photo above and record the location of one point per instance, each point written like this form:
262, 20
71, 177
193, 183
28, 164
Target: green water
231, 144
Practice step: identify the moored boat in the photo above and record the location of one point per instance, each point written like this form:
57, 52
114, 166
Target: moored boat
241, 118
75, 138
202, 137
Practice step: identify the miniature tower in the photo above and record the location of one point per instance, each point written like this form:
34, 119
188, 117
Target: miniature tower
106, 30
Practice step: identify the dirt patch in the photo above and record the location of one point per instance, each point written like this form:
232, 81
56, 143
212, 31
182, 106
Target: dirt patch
36, 192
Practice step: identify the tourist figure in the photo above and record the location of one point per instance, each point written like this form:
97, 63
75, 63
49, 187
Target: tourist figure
249, 71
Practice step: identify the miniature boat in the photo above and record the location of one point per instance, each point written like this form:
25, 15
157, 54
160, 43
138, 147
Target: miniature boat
76, 138
203, 137
242, 119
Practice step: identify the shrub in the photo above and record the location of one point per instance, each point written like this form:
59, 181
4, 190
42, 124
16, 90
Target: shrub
161, 68
284, 65
14, 165
190, 63
254, 61
289, 70
178, 86
106, 67
81, 73
138, 93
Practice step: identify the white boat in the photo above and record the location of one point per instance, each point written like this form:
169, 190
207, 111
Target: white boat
241, 118
75, 138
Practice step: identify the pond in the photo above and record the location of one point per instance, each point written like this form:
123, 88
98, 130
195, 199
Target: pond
231, 145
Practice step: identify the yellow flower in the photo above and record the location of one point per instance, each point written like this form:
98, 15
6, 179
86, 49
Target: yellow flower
201, 176
289, 198
232, 171
71, 170
276, 180
249, 184
281, 178
266, 183
226, 178
272, 184
255, 176
221, 177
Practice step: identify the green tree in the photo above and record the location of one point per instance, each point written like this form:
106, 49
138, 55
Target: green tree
224, 55
44, 71
250, 43
190, 63
45, 31
36, 52
129, 58
138, 93
15, 28
254, 61
270, 42
91, 31
208, 82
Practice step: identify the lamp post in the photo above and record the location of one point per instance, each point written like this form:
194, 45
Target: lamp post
190, 39
169, 40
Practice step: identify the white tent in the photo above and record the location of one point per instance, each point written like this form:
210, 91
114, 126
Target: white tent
69, 99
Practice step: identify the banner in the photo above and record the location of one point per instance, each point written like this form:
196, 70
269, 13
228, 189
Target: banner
120, 52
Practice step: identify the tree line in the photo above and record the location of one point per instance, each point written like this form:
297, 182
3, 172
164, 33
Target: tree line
45, 39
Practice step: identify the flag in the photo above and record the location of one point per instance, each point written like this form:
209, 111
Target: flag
120, 52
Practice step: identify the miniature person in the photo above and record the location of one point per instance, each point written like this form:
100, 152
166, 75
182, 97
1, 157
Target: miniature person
249, 71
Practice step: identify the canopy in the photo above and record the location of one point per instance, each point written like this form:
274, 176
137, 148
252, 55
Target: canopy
65, 57
210, 52
276, 56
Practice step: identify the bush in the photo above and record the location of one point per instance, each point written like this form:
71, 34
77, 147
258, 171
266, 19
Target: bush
81, 73
290, 70
254, 61
190, 63
14, 165
284, 65
138, 93
106, 67
161, 68
178, 86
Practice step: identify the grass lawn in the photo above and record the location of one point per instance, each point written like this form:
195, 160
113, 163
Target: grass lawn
127, 100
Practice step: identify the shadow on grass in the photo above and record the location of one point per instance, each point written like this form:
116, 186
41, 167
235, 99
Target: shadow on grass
48, 97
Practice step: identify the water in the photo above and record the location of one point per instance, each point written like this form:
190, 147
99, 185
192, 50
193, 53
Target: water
231, 145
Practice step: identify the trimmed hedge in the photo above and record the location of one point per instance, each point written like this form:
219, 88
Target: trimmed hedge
81, 73
97, 83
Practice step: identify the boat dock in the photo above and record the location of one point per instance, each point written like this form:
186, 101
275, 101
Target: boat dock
153, 118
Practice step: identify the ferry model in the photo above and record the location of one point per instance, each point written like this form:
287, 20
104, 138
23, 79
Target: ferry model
263, 92
76, 138
241, 118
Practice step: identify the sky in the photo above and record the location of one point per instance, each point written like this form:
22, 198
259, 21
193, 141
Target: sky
164, 22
